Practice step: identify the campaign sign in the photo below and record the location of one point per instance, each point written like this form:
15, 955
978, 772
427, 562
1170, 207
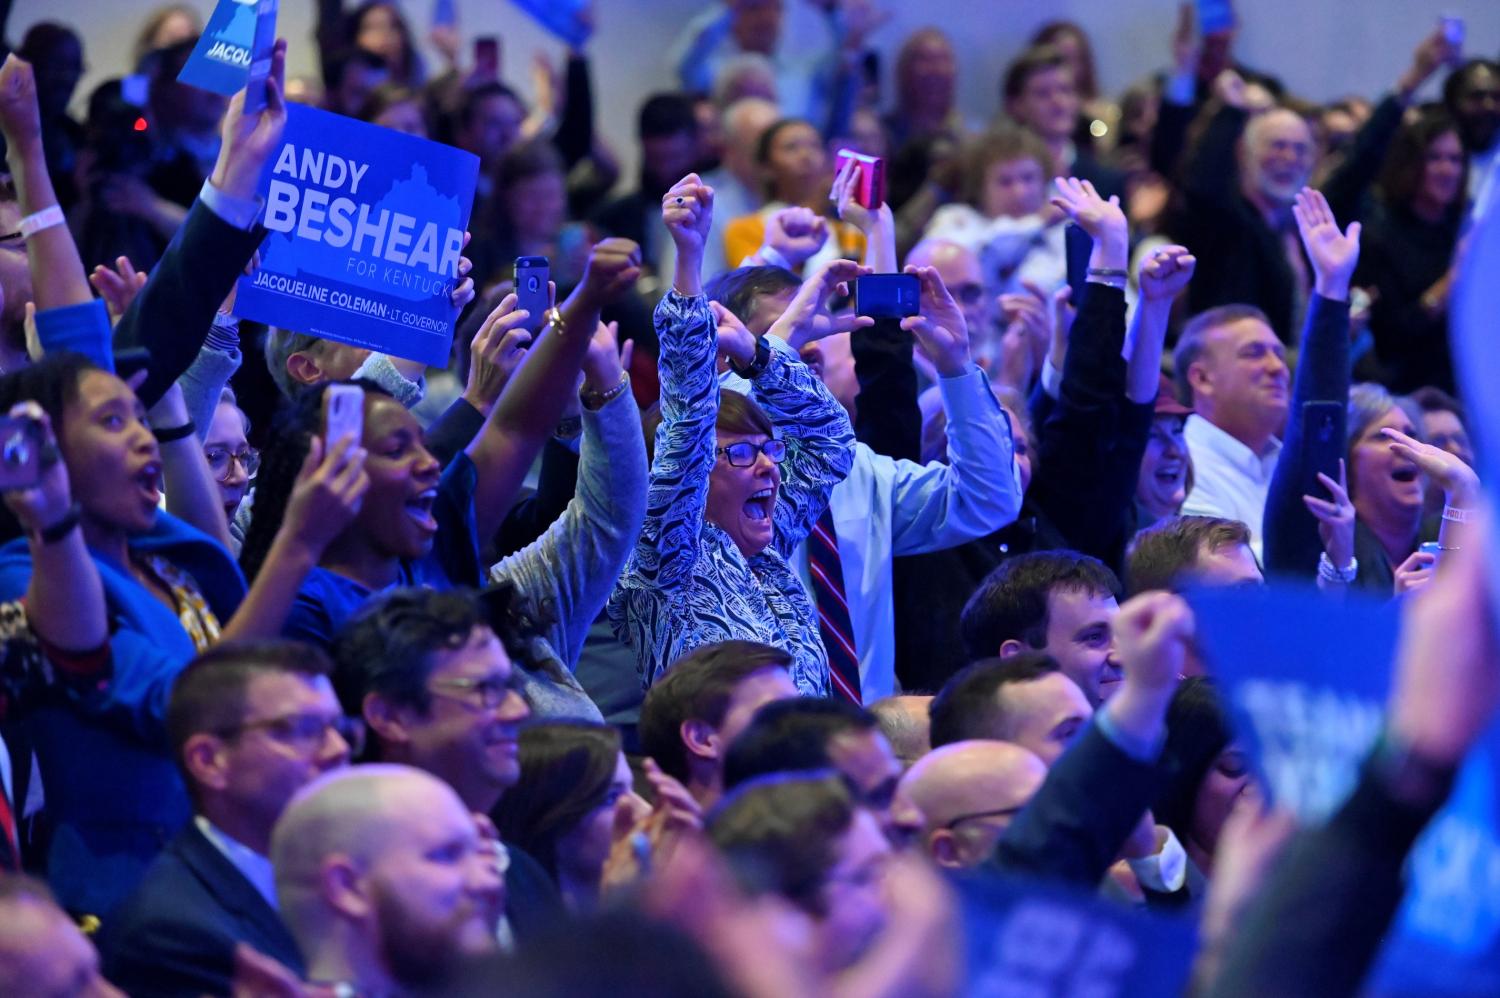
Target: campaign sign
564, 18
239, 33
1032, 939
1307, 678
366, 226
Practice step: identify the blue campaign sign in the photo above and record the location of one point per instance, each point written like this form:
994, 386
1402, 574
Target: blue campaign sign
239, 32
1030, 939
366, 229
564, 18
1307, 678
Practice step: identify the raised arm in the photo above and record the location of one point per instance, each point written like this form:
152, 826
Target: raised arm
192, 494
1291, 528
533, 400
176, 307
58, 277
1162, 277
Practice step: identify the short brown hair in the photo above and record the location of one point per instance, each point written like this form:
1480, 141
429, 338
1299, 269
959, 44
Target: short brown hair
698, 687
1161, 556
1002, 144
1026, 65
738, 413
781, 832
1191, 343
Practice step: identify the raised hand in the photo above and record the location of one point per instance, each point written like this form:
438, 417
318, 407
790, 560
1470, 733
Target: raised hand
1333, 253
1456, 479
613, 267
940, 329
1415, 572
1103, 220
48, 501
463, 291
117, 287
495, 353
688, 211
1335, 519
796, 233
842, 195
605, 362
20, 119
327, 495
1430, 55
249, 140
807, 319
1165, 273
736, 343
1152, 632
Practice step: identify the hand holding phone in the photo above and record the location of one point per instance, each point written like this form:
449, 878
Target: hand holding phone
887, 296
20, 453
533, 292
868, 179
487, 59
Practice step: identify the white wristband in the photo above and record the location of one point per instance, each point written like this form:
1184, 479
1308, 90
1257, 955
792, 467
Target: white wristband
44, 219
1450, 513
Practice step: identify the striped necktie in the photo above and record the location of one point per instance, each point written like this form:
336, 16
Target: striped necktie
827, 572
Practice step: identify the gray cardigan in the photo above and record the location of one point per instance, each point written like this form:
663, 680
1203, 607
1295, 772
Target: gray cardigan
569, 572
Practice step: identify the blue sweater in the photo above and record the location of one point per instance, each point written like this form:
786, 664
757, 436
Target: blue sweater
111, 786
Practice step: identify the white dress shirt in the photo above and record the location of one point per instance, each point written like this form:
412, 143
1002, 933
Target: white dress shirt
888, 508
1229, 479
252, 865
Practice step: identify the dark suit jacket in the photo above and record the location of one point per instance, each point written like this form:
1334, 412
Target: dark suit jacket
175, 936
532, 902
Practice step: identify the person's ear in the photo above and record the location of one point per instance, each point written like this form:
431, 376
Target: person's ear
700, 739
1010, 647
385, 719
205, 757
343, 889
1199, 380
945, 849
304, 369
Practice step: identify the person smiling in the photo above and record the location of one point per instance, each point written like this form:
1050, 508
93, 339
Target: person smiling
729, 500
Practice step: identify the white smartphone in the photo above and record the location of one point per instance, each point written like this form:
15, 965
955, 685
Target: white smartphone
343, 414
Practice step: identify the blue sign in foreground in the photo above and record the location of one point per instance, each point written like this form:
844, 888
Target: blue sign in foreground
1307, 678
1030, 939
239, 33
366, 229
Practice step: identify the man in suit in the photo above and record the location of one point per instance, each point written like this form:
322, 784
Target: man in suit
250, 725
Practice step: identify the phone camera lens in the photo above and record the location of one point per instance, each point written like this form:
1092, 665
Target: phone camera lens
533, 283
16, 451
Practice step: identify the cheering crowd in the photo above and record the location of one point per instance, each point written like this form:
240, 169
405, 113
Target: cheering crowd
705, 633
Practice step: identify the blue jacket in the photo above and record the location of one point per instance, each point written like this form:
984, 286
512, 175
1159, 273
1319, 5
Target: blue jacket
111, 786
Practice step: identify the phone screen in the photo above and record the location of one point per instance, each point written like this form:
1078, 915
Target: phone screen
887, 296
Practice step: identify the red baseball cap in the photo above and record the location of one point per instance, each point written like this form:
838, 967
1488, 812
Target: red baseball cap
1166, 400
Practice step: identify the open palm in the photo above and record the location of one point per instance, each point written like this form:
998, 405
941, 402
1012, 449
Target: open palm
1333, 253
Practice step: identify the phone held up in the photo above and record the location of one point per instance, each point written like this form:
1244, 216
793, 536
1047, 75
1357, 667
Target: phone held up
343, 415
532, 291
887, 296
869, 184
20, 453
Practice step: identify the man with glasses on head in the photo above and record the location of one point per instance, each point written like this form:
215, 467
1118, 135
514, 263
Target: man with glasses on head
437, 687
250, 725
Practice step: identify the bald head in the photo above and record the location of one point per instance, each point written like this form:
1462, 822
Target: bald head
744, 122
904, 722
42, 952
968, 792
958, 266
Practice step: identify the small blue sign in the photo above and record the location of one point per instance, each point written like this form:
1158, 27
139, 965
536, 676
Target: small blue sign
239, 33
564, 18
1042, 940
366, 230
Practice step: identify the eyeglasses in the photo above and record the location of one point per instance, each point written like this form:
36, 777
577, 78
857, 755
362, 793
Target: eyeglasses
219, 458
306, 732
744, 453
968, 293
492, 690
1004, 812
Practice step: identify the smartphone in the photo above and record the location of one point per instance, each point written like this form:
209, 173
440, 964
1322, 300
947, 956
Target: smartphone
1323, 444
1453, 30
887, 296
869, 185
343, 415
531, 289
20, 453
487, 58
1215, 16
1078, 246
135, 90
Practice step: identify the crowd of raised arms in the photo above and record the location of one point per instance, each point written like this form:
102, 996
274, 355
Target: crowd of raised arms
708, 636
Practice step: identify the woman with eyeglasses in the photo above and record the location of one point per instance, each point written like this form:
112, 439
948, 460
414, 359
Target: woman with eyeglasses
231, 459
737, 482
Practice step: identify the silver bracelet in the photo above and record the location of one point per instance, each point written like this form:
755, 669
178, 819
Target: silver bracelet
1329, 572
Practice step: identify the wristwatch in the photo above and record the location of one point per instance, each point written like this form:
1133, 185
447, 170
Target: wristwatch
759, 364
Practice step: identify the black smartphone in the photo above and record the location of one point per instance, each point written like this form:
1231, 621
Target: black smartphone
487, 58
532, 294
887, 296
20, 453
1322, 443
1078, 246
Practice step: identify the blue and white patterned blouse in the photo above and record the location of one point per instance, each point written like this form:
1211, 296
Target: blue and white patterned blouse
687, 584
